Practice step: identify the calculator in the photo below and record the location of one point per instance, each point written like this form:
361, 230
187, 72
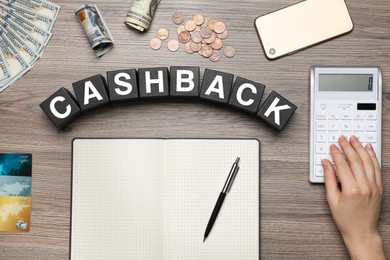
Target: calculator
344, 101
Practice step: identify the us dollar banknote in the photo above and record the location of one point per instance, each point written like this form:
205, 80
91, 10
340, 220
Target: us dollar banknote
141, 14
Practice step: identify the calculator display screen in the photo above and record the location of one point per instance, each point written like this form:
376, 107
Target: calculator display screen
345, 82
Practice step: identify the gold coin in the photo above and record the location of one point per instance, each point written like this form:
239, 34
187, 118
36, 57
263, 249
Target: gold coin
173, 45
211, 39
155, 43
190, 25
217, 44
180, 28
211, 23
195, 37
195, 46
216, 56
187, 48
205, 32
223, 35
163, 33
177, 18
229, 51
198, 18
184, 36
219, 27
206, 51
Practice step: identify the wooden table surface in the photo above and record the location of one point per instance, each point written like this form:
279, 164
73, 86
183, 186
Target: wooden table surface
295, 218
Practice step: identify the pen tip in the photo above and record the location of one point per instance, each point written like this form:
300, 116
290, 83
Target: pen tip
238, 159
204, 239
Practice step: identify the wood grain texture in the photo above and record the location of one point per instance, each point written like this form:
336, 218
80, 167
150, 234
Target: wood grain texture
295, 218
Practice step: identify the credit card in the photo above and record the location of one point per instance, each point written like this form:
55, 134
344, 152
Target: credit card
15, 186
15, 164
15, 213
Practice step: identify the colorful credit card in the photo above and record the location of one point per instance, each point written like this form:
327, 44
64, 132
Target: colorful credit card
15, 191
15, 164
15, 213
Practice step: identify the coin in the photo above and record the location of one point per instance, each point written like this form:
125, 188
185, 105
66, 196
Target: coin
177, 18
206, 51
229, 51
219, 27
216, 56
197, 29
198, 18
205, 32
187, 48
223, 35
211, 23
217, 44
155, 43
190, 25
195, 46
211, 39
163, 33
184, 36
195, 37
180, 28
173, 45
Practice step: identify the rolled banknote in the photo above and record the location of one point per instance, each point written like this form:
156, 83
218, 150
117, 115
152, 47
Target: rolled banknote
95, 29
141, 14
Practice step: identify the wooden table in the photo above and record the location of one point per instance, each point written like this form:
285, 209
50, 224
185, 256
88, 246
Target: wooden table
295, 218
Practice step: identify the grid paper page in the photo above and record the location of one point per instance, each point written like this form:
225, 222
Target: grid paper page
116, 199
195, 176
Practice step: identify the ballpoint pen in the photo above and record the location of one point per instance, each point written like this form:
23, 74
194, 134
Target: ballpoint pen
221, 198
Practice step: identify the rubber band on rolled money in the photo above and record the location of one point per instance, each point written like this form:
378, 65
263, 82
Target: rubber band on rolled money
95, 29
141, 14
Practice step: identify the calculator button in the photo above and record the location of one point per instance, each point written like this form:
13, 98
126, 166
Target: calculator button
333, 138
359, 136
374, 147
321, 149
358, 126
333, 116
321, 138
358, 116
371, 126
347, 135
346, 126
319, 158
370, 138
321, 116
321, 126
319, 171
371, 116
334, 126
346, 116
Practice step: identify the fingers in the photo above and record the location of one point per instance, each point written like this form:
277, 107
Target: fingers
353, 157
378, 177
365, 159
344, 172
332, 189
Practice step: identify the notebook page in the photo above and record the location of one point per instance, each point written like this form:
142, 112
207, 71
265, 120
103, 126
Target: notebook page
116, 199
193, 180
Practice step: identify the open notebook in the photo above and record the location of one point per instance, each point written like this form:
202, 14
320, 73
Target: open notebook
151, 199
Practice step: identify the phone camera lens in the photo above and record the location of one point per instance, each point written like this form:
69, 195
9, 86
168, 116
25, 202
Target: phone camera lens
272, 51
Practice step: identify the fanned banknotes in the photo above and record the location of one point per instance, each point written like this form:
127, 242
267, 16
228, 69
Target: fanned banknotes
25, 30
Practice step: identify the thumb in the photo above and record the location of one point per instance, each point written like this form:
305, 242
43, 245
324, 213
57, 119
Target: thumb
332, 189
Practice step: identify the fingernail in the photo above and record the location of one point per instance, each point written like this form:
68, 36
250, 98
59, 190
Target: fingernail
353, 139
324, 164
369, 147
342, 138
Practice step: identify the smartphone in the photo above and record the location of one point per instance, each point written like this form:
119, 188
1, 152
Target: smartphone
300, 25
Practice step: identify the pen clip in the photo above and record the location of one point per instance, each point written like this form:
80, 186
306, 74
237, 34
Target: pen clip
232, 179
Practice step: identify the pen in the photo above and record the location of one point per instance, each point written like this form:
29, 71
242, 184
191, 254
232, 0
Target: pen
221, 198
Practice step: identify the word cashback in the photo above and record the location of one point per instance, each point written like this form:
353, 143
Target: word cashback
128, 85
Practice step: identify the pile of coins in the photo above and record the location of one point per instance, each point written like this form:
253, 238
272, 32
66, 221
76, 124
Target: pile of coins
198, 34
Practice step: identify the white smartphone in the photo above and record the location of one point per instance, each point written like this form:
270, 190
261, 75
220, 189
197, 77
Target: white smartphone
344, 101
301, 25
